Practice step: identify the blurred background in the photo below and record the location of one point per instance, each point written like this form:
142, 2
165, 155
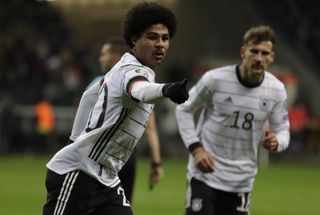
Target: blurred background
49, 53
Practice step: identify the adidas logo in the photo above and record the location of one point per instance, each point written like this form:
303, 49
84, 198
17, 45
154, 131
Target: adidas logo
228, 100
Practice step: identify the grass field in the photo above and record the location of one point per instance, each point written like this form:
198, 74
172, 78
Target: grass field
280, 189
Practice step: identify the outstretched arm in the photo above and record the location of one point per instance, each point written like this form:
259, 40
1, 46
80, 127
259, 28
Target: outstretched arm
156, 173
144, 91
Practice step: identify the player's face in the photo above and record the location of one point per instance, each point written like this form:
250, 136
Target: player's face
257, 57
151, 47
107, 59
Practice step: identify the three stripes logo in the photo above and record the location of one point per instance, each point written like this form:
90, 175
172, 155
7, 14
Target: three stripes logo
65, 192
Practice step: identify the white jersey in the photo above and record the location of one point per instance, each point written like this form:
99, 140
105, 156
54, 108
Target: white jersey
115, 125
87, 102
231, 125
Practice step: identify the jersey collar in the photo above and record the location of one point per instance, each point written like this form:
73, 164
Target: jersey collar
244, 83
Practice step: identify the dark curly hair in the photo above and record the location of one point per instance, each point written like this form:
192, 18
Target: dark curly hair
145, 14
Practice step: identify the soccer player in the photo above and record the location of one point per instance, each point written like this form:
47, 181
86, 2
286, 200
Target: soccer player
110, 54
236, 102
82, 177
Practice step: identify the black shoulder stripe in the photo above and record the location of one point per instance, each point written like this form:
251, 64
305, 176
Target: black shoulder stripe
136, 78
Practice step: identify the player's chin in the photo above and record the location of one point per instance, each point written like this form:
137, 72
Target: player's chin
157, 62
159, 59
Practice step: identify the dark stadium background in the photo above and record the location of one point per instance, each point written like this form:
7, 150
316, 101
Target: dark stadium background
49, 53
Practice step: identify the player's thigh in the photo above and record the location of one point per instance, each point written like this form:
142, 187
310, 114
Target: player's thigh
54, 183
114, 210
65, 193
116, 203
233, 203
74, 193
200, 198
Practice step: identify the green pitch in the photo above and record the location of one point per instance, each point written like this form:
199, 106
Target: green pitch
281, 189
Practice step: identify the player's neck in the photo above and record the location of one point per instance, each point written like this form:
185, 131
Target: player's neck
248, 78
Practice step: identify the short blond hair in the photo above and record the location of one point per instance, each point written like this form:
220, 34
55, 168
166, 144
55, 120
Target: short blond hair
259, 34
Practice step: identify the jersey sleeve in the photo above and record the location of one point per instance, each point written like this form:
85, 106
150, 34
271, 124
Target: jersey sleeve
87, 102
146, 92
136, 73
198, 97
279, 121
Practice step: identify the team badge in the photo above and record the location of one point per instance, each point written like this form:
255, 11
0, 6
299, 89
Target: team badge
264, 104
196, 204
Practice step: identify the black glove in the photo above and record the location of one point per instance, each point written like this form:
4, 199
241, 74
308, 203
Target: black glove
176, 92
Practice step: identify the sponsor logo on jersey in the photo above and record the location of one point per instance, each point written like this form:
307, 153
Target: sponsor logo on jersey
196, 204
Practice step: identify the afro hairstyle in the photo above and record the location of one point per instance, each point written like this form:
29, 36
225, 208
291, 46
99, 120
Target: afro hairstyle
145, 14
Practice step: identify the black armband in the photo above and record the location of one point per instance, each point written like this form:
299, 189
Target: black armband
194, 146
137, 78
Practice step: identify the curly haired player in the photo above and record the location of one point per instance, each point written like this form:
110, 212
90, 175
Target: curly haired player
82, 177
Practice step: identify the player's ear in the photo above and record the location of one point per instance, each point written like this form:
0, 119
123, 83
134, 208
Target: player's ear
133, 40
272, 57
242, 51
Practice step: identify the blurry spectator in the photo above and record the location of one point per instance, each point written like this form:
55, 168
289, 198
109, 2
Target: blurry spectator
45, 118
299, 120
39, 60
44, 126
38, 57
